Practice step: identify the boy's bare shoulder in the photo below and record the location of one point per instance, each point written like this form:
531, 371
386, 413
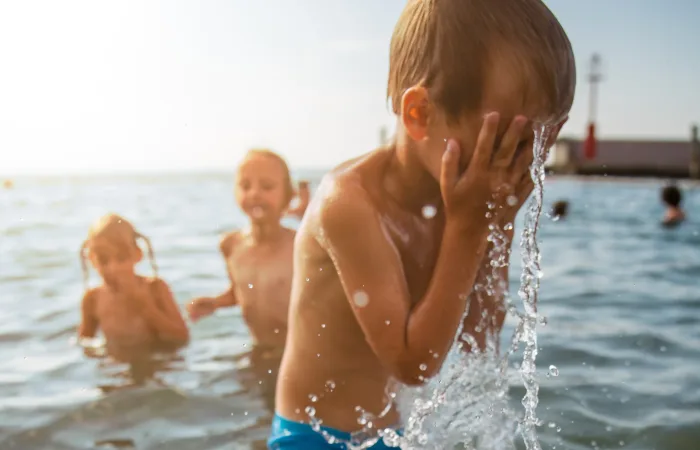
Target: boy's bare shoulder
90, 296
228, 241
349, 192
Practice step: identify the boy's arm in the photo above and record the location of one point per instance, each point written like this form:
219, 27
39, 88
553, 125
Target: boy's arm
88, 320
164, 315
486, 311
412, 341
228, 297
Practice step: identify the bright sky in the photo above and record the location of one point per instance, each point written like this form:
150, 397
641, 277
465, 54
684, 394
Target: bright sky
173, 85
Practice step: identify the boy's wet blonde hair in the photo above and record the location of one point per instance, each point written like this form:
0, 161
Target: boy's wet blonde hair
118, 231
288, 187
449, 47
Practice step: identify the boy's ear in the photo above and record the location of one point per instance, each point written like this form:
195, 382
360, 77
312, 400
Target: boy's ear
415, 111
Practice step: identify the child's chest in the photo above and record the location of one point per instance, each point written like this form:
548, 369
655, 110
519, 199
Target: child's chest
262, 271
418, 243
120, 319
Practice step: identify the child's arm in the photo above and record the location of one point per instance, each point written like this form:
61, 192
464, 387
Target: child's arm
164, 315
205, 306
418, 336
487, 312
88, 320
228, 297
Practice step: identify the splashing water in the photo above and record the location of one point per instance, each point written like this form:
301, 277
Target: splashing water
529, 286
467, 403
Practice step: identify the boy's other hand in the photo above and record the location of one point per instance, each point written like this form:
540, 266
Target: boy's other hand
494, 173
201, 307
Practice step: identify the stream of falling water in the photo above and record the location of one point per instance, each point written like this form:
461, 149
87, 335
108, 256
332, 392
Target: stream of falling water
467, 405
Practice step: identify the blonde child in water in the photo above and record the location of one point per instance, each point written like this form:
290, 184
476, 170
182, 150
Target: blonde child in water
380, 287
136, 314
259, 262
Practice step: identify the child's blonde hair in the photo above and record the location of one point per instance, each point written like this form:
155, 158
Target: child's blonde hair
449, 47
288, 187
119, 231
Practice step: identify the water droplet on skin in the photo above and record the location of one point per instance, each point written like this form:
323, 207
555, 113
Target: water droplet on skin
429, 211
307, 280
508, 226
310, 410
269, 371
323, 325
330, 385
553, 371
313, 398
318, 355
423, 367
489, 215
277, 331
360, 298
512, 200
388, 322
250, 285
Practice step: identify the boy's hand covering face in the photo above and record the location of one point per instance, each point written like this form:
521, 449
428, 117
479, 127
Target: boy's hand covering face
494, 172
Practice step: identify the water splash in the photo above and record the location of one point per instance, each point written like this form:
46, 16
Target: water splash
529, 287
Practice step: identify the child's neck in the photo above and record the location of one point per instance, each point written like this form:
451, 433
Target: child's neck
265, 232
408, 182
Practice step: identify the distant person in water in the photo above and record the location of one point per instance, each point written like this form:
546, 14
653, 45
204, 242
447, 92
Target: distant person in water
397, 239
258, 260
136, 314
559, 209
672, 197
303, 196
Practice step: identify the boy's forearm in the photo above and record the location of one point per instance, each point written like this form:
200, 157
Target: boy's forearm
486, 307
225, 299
434, 320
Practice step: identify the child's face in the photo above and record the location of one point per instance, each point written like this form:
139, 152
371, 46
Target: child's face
433, 131
260, 188
114, 262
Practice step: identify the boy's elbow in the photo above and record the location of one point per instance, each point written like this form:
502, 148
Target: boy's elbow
415, 373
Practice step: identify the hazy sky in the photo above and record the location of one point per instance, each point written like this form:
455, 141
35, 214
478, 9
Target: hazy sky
171, 85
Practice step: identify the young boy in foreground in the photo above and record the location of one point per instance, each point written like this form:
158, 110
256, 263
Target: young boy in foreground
379, 286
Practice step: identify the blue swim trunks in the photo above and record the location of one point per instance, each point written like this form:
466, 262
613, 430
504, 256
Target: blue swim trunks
289, 435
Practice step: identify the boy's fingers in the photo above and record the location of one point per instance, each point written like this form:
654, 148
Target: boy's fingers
486, 140
507, 149
450, 165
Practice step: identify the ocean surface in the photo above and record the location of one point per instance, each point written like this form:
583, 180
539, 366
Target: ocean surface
621, 295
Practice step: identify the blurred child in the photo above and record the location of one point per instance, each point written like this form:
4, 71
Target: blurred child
560, 209
672, 197
259, 262
135, 314
394, 242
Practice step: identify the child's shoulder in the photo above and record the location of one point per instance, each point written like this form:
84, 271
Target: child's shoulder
155, 282
351, 190
228, 241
